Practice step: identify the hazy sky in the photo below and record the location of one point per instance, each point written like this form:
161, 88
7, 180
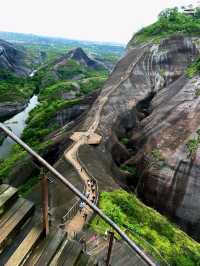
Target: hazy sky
100, 20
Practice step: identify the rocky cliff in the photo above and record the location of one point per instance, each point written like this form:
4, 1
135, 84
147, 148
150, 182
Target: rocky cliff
12, 59
151, 102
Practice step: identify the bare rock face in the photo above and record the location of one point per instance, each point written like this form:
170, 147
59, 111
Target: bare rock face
149, 97
12, 59
8, 109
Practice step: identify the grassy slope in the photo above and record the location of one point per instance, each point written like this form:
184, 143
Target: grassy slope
169, 22
148, 229
14, 88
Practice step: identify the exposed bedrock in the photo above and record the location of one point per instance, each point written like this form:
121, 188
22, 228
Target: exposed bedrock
8, 109
157, 107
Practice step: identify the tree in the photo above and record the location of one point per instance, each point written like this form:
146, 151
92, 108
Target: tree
169, 13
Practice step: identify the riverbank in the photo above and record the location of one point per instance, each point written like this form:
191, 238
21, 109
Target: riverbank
17, 124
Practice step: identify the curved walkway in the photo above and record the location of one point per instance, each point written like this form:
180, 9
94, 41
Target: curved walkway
76, 224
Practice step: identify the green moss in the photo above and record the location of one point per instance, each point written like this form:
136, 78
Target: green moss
150, 230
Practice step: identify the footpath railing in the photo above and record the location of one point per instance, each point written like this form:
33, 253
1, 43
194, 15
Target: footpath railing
82, 197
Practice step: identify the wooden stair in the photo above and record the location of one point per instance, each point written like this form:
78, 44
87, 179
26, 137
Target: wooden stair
17, 237
22, 241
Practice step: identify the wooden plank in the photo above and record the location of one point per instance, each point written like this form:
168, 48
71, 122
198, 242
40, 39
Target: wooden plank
25, 247
7, 195
16, 220
70, 253
3, 187
11, 211
55, 259
51, 248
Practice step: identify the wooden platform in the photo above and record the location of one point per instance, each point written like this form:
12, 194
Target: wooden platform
91, 139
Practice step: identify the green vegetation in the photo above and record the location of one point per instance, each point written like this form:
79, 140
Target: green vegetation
41, 121
14, 88
52, 74
157, 156
193, 69
18, 157
7, 165
128, 168
125, 141
193, 144
150, 230
28, 186
170, 21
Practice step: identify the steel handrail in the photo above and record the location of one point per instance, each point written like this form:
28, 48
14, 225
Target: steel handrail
79, 194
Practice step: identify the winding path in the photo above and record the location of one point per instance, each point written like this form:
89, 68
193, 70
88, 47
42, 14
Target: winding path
81, 138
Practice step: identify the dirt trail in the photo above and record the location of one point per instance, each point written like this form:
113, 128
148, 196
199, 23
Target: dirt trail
77, 223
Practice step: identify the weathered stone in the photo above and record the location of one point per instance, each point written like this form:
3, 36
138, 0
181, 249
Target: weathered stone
8, 109
150, 82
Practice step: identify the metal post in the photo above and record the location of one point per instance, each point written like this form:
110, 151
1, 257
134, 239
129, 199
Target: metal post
45, 201
111, 238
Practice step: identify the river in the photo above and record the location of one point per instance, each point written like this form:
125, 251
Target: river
17, 124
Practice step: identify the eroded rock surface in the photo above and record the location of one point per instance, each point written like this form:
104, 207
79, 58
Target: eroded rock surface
152, 99
8, 109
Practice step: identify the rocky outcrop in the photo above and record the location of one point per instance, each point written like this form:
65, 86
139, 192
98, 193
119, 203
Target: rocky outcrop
8, 109
153, 103
12, 59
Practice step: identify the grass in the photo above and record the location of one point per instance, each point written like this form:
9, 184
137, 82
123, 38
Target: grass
146, 227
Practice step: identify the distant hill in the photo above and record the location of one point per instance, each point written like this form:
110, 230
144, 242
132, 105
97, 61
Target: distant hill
74, 65
98, 47
12, 59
